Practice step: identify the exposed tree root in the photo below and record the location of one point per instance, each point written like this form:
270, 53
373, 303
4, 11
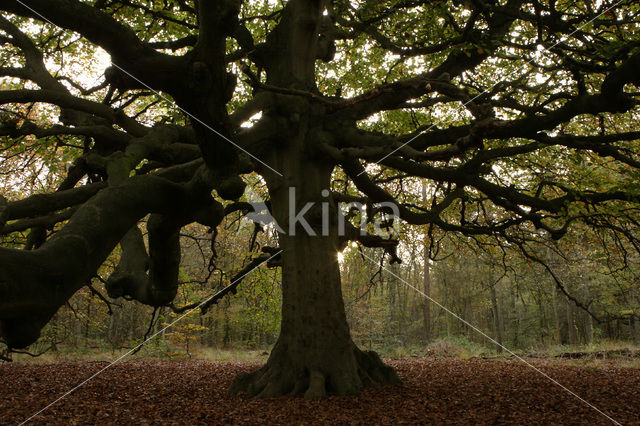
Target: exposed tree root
284, 375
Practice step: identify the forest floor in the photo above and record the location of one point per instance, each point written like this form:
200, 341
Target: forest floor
445, 391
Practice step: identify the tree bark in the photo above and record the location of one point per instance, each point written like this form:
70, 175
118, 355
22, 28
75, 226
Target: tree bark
314, 354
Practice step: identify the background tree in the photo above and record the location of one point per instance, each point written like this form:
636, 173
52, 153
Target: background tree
519, 113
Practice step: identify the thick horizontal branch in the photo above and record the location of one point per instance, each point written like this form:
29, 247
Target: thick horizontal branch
370, 240
45, 222
174, 45
41, 204
114, 138
357, 143
601, 144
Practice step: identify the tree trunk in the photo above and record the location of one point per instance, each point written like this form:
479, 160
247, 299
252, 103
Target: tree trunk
87, 322
314, 354
635, 329
393, 325
515, 319
426, 312
556, 314
588, 320
497, 326
571, 327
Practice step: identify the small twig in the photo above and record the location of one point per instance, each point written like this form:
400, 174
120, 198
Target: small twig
268, 254
257, 228
101, 297
146, 335
72, 309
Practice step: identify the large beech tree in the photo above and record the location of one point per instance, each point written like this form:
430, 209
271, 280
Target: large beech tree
520, 116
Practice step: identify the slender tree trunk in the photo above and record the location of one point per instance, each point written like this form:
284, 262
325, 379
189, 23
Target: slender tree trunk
635, 329
447, 318
571, 327
556, 315
542, 317
426, 313
392, 293
515, 319
226, 338
404, 309
160, 325
87, 322
497, 326
587, 319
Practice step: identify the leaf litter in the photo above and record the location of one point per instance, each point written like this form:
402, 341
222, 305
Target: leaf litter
448, 391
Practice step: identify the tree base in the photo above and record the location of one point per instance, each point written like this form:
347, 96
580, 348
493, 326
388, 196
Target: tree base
284, 375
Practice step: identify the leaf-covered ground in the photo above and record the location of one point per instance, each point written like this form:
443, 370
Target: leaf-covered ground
434, 391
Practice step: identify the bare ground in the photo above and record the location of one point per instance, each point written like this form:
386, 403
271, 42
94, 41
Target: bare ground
447, 391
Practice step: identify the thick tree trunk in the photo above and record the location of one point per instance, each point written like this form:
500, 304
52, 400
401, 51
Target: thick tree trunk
314, 354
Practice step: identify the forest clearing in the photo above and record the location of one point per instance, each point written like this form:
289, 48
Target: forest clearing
319, 211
